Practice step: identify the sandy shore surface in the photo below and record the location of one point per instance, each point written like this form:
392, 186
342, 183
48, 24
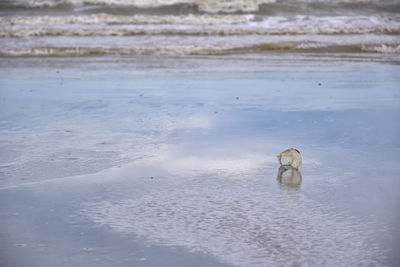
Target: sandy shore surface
163, 161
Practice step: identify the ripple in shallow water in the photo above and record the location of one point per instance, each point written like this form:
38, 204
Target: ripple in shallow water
242, 227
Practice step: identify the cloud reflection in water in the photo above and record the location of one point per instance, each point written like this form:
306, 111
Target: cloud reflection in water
241, 224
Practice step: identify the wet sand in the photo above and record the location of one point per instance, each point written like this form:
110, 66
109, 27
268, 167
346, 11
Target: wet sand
166, 162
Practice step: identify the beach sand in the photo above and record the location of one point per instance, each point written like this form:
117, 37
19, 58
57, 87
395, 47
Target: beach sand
169, 161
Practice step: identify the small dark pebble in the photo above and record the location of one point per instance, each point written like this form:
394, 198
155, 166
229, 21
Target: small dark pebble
88, 249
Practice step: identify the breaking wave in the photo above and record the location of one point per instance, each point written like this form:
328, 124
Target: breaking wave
198, 49
116, 25
197, 27
210, 6
103, 18
193, 31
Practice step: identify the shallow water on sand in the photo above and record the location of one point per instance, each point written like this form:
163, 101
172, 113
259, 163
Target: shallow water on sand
134, 163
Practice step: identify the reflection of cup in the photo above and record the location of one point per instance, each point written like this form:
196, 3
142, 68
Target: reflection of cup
289, 176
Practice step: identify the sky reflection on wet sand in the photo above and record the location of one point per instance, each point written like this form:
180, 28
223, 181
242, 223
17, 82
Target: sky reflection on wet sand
178, 160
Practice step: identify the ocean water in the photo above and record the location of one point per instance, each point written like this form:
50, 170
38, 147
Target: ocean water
198, 27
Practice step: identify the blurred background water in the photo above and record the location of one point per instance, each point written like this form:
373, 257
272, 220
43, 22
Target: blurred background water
198, 27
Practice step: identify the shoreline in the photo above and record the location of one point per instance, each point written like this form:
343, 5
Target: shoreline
277, 58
